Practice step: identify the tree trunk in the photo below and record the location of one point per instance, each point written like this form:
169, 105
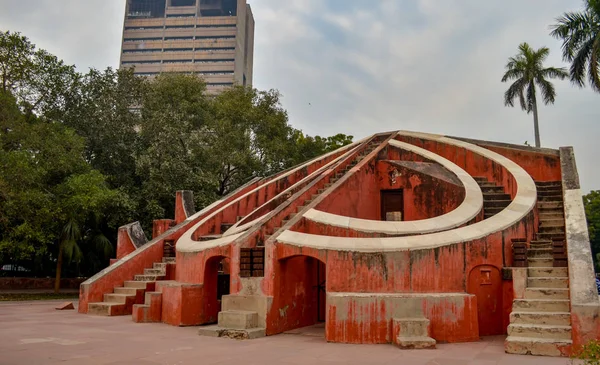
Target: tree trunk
59, 263
536, 126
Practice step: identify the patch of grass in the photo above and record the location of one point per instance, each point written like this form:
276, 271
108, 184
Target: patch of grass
19, 297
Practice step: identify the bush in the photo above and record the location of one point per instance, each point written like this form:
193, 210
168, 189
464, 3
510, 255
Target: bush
589, 353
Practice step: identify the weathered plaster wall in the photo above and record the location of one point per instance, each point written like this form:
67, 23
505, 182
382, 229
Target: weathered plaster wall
425, 196
367, 317
585, 303
297, 301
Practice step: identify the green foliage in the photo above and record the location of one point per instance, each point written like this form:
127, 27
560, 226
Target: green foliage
591, 202
580, 34
82, 154
588, 353
40, 81
528, 71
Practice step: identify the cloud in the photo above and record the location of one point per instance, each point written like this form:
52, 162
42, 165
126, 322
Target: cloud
360, 67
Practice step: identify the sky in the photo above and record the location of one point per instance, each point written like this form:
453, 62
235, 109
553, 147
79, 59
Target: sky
361, 66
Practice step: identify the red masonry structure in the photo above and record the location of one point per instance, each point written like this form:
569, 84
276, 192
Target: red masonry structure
403, 238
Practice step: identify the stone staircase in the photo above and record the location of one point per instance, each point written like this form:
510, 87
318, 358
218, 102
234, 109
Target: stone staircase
494, 197
412, 333
243, 324
123, 298
236, 324
540, 323
332, 180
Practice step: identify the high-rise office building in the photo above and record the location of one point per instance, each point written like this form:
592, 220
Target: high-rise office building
210, 38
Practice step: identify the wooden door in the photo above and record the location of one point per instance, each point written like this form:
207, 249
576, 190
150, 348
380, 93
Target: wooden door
392, 201
486, 283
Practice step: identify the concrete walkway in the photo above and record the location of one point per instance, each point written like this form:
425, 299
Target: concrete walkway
35, 333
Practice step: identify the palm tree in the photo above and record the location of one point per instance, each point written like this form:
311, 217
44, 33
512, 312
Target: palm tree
72, 238
580, 33
527, 69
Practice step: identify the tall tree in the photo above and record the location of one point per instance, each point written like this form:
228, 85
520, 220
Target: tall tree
527, 69
580, 33
591, 202
173, 152
40, 82
46, 187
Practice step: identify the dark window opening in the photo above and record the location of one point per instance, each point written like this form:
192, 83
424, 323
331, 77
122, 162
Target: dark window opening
183, 2
251, 259
179, 38
146, 8
218, 7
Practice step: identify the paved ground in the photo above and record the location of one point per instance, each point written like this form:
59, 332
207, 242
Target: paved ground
33, 333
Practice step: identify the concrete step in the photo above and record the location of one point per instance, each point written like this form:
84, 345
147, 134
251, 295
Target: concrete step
546, 293
552, 230
549, 198
540, 261
496, 203
550, 236
539, 246
492, 189
547, 331
550, 191
493, 210
544, 318
550, 215
169, 260
238, 319
146, 285
549, 205
541, 305
552, 222
537, 346
417, 342
107, 309
539, 252
126, 291
118, 298
148, 277
556, 272
548, 183
159, 272
495, 196
548, 282
160, 265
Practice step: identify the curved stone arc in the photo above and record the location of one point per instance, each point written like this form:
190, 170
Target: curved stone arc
206, 245
469, 208
521, 205
243, 227
187, 244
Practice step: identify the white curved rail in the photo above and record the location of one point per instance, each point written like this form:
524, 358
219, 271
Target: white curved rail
469, 208
521, 205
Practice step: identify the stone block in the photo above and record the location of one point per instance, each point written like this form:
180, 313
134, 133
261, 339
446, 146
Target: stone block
238, 319
245, 334
254, 303
65, 306
416, 343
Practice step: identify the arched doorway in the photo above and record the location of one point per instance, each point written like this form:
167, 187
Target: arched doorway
302, 293
485, 282
216, 284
